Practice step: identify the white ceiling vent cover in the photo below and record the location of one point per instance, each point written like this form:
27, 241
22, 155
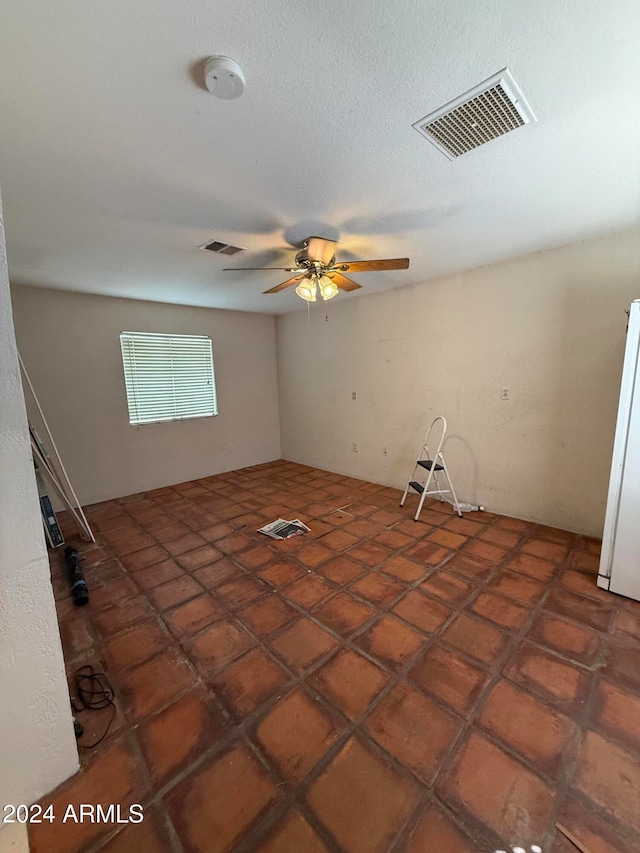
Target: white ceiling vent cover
222, 248
491, 109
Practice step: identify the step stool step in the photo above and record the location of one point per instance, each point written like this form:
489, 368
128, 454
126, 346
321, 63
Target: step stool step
428, 464
418, 487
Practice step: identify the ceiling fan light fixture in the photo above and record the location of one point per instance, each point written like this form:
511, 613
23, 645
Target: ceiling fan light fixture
307, 290
328, 288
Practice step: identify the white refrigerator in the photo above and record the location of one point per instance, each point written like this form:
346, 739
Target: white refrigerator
620, 561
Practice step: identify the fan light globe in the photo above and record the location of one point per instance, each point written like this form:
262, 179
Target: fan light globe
328, 288
307, 290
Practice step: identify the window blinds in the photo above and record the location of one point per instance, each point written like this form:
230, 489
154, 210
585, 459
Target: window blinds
168, 377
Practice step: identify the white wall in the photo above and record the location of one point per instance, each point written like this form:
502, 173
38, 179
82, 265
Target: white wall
549, 327
71, 347
37, 744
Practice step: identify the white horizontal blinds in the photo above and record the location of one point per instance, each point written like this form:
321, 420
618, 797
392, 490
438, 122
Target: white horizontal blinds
168, 377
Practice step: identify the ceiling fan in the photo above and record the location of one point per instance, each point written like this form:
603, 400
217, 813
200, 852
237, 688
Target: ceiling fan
316, 269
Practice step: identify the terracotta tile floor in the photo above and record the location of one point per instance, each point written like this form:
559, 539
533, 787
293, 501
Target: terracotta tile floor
376, 685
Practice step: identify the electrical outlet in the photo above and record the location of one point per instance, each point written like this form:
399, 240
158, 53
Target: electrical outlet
353, 395
505, 395
354, 447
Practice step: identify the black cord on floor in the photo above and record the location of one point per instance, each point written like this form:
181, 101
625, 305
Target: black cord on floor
94, 693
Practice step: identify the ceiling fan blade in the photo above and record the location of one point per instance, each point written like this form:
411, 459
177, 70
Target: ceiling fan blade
373, 266
284, 284
343, 282
319, 249
253, 269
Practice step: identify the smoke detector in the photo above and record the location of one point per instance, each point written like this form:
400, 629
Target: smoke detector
491, 109
224, 78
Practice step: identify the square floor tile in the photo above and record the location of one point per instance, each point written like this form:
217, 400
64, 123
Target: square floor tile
349, 681
593, 614
138, 644
175, 592
296, 733
308, 591
628, 623
448, 538
194, 616
499, 536
583, 583
313, 554
413, 729
377, 588
268, 615
622, 662
185, 543
218, 646
549, 677
391, 641
121, 616
595, 832
217, 573
475, 638
425, 613
240, 591
153, 684
145, 557
301, 645
341, 569
361, 800
499, 609
112, 776
447, 587
199, 557
178, 735
280, 573
214, 806
572, 641
248, 682
149, 835
610, 776
523, 589
522, 722
343, 614
470, 567
486, 551
499, 791
455, 681
157, 574
428, 554
534, 567
369, 553
339, 540
392, 539
293, 833
436, 831
256, 557
546, 550
404, 569
617, 712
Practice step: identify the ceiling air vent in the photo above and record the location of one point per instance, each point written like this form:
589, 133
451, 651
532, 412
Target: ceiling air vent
221, 248
487, 111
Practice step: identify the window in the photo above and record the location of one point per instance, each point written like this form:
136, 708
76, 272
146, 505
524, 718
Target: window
168, 377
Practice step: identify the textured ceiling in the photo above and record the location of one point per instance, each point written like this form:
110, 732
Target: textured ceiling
115, 163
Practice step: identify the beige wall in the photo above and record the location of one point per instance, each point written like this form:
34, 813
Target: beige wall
71, 348
550, 327
37, 744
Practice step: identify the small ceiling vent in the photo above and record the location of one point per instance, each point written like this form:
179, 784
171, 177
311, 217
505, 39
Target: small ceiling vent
491, 109
221, 248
